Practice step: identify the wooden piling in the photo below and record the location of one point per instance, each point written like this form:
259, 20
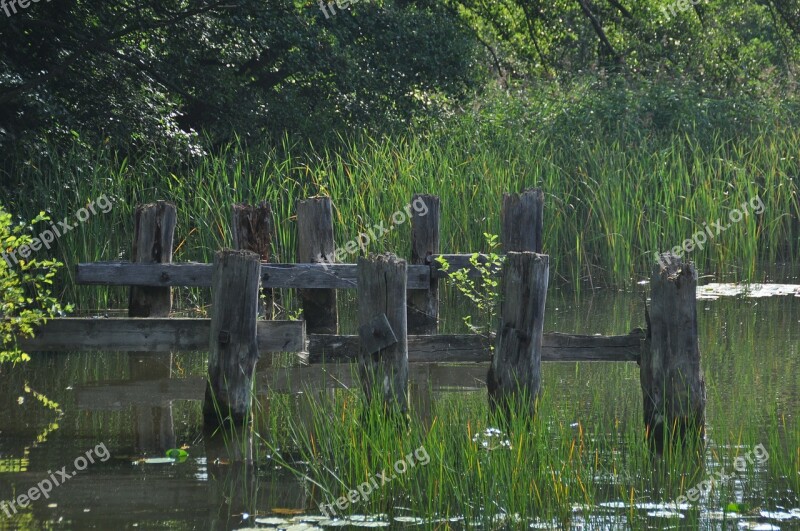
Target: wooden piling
514, 378
384, 365
673, 388
315, 245
233, 347
423, 305
153, 231
253, 229
521, 220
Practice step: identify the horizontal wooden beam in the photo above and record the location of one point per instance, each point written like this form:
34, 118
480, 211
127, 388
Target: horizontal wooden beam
332, 276
153, 335
174, 335
475, 348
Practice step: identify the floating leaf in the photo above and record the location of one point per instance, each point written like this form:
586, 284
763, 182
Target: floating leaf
177, 453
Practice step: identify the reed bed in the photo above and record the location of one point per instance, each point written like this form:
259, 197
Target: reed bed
611, 202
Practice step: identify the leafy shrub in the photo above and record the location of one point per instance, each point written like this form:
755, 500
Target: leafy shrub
25, 298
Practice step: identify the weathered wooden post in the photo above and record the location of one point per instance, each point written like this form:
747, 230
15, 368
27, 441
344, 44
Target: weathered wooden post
315, 245
233, 348
423, 305
153, 231
516, 364
383, 354
253, 229
673, 388
514, 378
521, 220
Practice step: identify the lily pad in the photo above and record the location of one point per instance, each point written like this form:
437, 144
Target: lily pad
178, 454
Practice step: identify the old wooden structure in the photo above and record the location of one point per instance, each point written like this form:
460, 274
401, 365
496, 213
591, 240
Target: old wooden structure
397, 307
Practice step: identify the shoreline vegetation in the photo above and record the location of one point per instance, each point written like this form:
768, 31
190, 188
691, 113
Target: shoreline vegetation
615, 192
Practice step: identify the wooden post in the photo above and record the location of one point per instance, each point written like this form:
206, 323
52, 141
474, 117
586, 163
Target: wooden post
515, 373
315, 245
521, 219
153, 231
233, 347
382, 293
253, 229
673, 388
423, 305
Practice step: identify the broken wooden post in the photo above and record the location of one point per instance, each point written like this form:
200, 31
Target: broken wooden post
315, 245
673, 388
383, 352
521, 219
423, 305
514, 379
253, 229
233, 346
153, 231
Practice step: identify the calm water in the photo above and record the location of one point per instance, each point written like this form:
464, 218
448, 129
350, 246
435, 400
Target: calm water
121, 403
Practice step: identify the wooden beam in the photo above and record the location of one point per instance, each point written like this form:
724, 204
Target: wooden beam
166, 335
332, 276
153, 335
471, 348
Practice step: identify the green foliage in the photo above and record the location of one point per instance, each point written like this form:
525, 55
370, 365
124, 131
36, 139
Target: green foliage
152, 77
483, 290
620, 184
25, 293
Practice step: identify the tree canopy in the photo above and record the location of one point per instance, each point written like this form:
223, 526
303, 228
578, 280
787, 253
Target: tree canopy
152, 73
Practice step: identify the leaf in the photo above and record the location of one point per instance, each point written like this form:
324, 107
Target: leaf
177, 453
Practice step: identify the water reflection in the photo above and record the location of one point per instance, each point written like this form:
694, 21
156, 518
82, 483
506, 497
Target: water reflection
141, 405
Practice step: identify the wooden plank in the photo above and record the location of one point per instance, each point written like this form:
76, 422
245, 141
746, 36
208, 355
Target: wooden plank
191, 274
153, 335
471, 348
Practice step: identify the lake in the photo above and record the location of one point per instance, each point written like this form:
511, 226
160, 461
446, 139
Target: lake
128, 409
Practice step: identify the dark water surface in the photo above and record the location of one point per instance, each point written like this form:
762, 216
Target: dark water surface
138, 406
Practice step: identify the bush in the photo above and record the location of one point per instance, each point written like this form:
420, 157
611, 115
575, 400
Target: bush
25, 297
